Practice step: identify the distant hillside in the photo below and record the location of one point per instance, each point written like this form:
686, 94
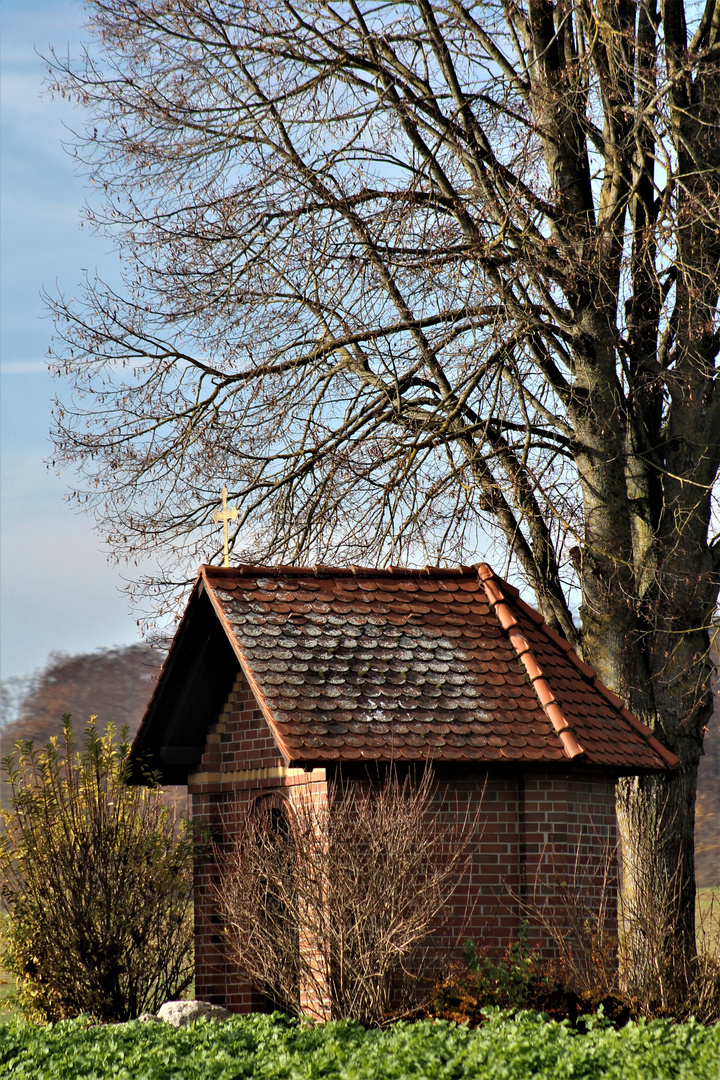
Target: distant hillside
113, 684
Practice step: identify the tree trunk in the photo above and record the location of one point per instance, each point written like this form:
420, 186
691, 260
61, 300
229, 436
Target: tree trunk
670, 692
656, 817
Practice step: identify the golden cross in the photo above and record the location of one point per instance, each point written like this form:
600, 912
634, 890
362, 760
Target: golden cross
225, 515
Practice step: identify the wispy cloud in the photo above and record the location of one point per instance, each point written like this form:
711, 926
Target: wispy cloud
23, 367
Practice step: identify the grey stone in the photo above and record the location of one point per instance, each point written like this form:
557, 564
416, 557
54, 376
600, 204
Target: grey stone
182, 1013
148, 1018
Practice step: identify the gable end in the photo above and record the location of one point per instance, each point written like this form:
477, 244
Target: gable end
193, 687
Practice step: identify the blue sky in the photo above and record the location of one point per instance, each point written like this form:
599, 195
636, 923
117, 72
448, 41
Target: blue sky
58, 591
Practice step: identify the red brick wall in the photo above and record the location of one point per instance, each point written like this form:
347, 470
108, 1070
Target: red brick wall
541, 836
534, 827
569, 846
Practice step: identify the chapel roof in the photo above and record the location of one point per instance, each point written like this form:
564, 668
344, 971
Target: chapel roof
356, 664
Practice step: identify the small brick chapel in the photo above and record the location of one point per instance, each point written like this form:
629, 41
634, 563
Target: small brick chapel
280, 679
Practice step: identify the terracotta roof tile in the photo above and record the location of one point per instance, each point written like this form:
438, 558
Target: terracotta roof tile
416, 664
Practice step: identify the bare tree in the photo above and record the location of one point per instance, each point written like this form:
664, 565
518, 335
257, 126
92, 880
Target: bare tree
330, 905
410, 275
114, 683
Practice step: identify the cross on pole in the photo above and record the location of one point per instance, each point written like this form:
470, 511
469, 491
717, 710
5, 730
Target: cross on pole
225, 515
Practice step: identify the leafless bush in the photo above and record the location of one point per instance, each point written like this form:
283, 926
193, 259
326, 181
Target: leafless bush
576, 908
329, 906
625, 943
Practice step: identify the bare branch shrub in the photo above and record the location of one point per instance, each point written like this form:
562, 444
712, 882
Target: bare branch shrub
576, 907
329, 906
627, 947
96, 878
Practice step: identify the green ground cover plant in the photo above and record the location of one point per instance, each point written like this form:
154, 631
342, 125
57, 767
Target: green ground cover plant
280, 1048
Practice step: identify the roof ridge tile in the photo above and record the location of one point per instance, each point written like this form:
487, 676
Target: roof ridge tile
326, 570
498, 602
590, 674
486, 573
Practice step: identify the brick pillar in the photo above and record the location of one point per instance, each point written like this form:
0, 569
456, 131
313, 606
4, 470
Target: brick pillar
216, 978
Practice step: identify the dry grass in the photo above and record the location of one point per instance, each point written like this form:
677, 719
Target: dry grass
707, 914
